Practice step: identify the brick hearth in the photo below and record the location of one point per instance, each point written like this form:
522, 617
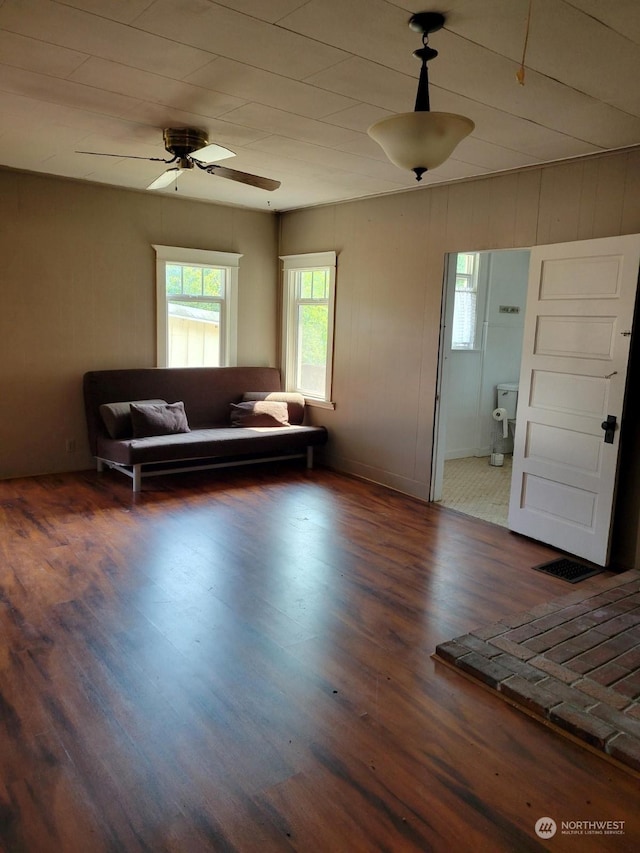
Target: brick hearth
574, 662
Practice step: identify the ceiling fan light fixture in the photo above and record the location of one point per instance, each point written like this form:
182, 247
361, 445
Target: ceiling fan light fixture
190, 147
421, 140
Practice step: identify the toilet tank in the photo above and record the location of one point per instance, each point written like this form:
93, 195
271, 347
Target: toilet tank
507, 398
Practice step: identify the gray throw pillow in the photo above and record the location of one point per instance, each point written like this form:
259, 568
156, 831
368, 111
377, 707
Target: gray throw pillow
158, 419
116, 417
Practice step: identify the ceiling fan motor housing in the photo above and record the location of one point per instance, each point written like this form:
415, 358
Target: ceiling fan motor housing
181, 141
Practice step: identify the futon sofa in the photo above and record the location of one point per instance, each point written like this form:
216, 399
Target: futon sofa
151, 421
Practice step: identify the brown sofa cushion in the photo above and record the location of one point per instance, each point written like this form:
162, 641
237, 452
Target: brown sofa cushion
116, 417
259, 413
294, 401
158, 419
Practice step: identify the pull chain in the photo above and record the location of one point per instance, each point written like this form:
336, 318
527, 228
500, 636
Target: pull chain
520, 71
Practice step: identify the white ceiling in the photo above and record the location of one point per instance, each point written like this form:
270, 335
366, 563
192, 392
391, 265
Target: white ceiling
292, 85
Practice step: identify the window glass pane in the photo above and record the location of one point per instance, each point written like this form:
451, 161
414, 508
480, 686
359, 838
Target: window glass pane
192, 280
312, 348
464, 263
464, 282
193, 334
174, 278
213, 282
320, 285
305, 284
464, 320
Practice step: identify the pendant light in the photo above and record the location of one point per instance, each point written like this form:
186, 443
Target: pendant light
421, 140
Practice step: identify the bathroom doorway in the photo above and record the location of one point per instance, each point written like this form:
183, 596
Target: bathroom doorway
482, 327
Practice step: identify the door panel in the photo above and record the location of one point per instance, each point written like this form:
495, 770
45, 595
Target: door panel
579, 316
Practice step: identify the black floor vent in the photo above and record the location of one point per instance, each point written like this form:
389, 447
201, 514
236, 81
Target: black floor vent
568, 570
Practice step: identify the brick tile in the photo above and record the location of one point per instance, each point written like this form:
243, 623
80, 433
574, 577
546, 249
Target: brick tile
629, 686
630, 659
535, 698
625, 604
622, 643
550, 621
602, 694
545, 609
593, 658
518, 619
625, 749
476, 645
601, 600
603, 614
622, 722
562, 653
582, 724
583, 623
549, 639
562, 673
489, 631
574, 647
562, 632
620, 623
514, 649
608, 674
520, 667
574, 610
563, 693
451, 651
524, 632
633, 711
485, 670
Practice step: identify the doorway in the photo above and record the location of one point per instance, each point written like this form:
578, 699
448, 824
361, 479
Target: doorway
484, 303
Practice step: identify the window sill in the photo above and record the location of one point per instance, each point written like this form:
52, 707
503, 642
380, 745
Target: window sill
319, 404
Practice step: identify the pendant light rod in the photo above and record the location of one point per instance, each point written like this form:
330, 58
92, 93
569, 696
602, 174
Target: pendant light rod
421, 140
425, 53
425, 23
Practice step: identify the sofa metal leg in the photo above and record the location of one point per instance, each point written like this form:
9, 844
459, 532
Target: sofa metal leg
309, 457
137, 478
99, 465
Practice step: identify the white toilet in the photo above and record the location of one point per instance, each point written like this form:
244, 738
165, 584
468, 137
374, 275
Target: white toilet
507, 398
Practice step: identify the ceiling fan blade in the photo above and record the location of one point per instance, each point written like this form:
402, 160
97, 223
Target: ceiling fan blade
212, 152
244, 178
124, 156
165, 179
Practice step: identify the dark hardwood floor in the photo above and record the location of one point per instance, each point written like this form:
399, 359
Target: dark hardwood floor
241, 661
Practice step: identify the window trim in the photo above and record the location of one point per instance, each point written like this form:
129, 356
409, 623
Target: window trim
229, 310
292, 264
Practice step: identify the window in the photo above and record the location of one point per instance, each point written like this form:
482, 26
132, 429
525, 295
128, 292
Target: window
309, 286
196, 307
465, 326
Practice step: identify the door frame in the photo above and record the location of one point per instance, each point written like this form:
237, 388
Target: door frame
444, 350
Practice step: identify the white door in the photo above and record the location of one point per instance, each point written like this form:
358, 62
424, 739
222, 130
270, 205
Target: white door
578, 325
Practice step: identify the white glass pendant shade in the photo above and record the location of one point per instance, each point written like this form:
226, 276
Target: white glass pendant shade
422, 140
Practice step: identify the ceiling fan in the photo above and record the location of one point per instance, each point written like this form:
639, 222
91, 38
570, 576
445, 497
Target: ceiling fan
190, 147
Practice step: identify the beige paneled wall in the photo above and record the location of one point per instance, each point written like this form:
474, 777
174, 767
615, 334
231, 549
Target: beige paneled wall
77, 293
391, 254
